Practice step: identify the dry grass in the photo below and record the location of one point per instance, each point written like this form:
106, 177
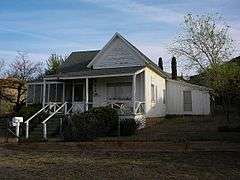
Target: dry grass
57, 161
173, 149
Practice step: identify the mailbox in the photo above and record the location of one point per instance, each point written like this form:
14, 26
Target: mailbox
16, 120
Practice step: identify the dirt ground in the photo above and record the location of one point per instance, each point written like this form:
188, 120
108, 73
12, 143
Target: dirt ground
172, 149
97, 160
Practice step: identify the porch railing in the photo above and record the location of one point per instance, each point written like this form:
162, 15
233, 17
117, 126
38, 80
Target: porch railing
28, 120
126, 108
46, 120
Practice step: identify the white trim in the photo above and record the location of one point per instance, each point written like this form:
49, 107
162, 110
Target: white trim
84, 77
139, 71
134, 92
116, 35
86, 87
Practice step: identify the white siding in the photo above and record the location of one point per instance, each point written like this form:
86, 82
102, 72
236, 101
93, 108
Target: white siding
156, 109
200, 99
117, 54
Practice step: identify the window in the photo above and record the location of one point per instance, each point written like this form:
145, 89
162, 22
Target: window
153, 93
187, 100
164, 96
119, 91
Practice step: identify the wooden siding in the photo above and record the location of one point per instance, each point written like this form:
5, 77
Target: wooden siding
158, 108
118, 54
175, 104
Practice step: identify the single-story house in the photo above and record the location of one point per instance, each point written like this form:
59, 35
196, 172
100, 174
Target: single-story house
121, 76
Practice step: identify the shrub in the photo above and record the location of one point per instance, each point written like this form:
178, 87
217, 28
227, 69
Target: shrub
101, 121
27, 111
80, 127
128, 127
107, 120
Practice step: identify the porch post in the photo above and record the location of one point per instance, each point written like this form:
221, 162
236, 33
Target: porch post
134, 92
72, 91
63, 92
44, 92
86, 94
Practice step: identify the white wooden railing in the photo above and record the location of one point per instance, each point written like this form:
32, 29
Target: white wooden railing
28, 120
139, 107
64, 105
125, 107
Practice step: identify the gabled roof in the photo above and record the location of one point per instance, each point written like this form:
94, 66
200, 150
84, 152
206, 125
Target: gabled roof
143, 57
78, 61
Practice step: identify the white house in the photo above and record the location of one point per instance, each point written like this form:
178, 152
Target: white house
123, 77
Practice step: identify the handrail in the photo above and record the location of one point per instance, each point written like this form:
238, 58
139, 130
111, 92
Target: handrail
64, 104
44, 122
29, 119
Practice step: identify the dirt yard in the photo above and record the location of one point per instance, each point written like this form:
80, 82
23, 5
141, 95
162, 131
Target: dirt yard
169, 150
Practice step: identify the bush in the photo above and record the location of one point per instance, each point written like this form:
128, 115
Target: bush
80, 127
101, 121
107, 120
128, 127
27, 111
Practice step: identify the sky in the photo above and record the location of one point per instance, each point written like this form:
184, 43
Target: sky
43, 27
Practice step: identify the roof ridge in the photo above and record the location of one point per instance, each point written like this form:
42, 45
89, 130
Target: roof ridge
85, 51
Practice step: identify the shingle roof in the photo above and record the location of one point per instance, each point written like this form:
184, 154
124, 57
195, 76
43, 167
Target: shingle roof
78, 61
99, 72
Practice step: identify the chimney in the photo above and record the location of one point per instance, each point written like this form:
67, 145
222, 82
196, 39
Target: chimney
160, 63
174, 68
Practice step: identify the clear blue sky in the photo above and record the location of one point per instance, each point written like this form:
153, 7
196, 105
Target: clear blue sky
42, 27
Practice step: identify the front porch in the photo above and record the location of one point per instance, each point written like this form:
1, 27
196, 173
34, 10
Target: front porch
124, 92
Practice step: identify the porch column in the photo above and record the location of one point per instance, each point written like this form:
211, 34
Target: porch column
72, 91
86, 94
63, 92
134, 92
44, 92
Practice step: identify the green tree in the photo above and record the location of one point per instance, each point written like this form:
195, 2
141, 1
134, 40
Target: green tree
54, 63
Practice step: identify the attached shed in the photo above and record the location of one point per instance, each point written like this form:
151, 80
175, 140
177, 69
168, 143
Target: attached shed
185, 98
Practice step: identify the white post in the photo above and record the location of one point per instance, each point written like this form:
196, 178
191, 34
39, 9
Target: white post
63, 92
72, 91
45, 131
27, 130
86, 94
17, 128
134, 92
44, 92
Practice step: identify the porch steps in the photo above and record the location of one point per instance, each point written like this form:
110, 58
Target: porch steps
53, 126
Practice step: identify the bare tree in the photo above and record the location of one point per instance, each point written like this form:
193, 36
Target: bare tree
24, 69
19, 72
2, 64
205, 42
205, 45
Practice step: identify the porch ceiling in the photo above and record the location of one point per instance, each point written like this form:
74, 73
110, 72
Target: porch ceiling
96, 73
